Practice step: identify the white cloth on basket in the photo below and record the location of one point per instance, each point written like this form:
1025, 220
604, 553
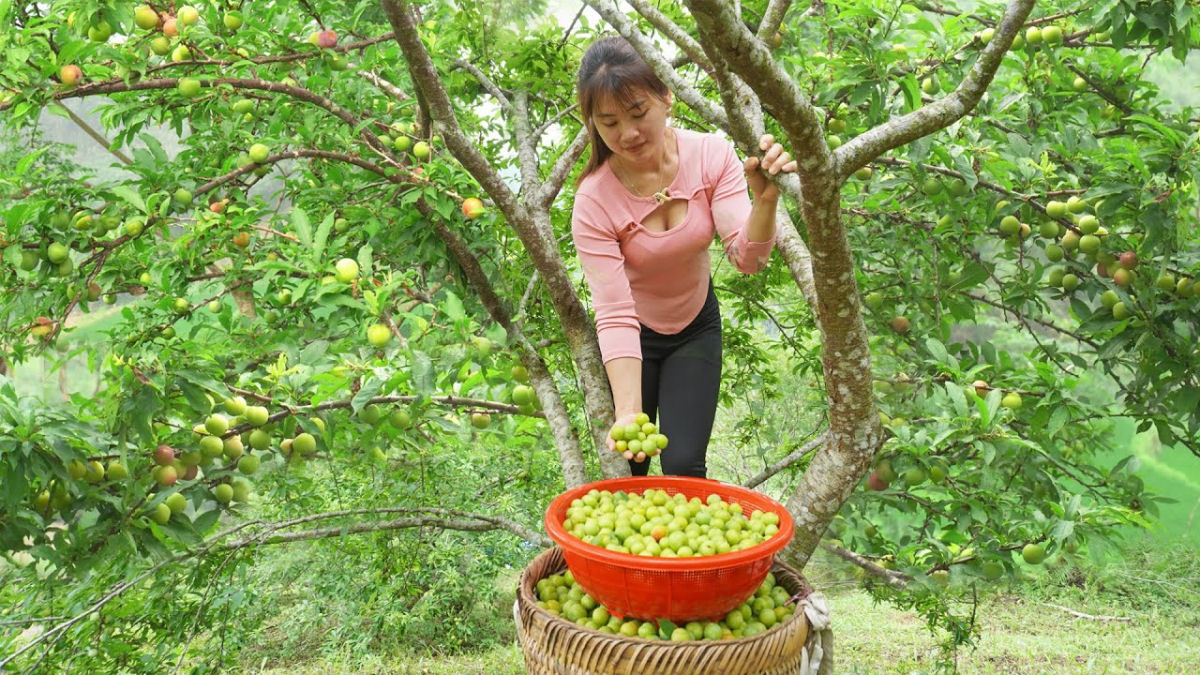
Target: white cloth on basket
820, 638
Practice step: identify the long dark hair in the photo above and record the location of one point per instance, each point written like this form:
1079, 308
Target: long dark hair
611, 68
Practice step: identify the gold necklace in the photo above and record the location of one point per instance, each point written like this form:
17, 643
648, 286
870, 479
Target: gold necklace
662, 196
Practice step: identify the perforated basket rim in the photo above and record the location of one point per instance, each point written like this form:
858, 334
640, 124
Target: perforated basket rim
557, 510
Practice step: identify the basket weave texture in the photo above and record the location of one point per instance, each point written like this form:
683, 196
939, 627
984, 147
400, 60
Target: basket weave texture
552, 644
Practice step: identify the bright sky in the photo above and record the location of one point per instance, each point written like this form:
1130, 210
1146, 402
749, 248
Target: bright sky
565, 10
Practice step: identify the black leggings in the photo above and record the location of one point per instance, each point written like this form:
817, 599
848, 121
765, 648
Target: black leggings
681, 377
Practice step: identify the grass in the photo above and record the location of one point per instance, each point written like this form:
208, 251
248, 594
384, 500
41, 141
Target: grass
1018, 635
1020, 629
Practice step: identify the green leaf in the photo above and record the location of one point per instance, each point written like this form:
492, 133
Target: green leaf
364, 259
978, 514
958, 398
58, 111
323, 231
206, 520
422, 373
27, 161
1168, 133
302, 227
140, 413
370, 389
1058, 419
195, 396
962, 164
973, 274
1062, 530
16, 216
15, 484
1072, 506
452, 306
938, 351
88, 519
130, 196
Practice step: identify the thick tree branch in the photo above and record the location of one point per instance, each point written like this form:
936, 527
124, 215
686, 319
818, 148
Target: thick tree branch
712, 113
531, 225
487, 83
942, 112
773, 17
562, 168
726, 38
527, 155
854, 433
747, 126
427, 80
669, 28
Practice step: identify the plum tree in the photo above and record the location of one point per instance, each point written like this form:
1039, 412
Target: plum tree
391, 141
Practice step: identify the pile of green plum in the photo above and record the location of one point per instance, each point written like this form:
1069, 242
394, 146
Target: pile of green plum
655, 523
771, 604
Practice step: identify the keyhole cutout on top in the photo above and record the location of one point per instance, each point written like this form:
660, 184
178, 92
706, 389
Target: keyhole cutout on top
667, 216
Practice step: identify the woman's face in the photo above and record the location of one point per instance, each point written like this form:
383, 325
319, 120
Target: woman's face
634, 132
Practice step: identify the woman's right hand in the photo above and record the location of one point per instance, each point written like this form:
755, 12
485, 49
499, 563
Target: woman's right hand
623, 420
625, 378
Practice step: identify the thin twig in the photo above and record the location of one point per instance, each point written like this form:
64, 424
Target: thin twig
96, 135
792, 458
891, 577
1081, 615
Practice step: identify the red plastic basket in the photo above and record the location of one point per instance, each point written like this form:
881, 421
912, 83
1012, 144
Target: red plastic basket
679, 589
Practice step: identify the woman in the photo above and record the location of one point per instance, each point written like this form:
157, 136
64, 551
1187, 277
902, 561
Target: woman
649, 202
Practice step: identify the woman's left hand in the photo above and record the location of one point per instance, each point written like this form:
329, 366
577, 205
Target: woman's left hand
773, 162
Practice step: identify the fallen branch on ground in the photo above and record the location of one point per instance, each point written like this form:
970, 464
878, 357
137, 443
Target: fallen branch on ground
1081, 615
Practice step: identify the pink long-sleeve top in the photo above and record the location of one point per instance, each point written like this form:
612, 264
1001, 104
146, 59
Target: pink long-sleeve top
660, 279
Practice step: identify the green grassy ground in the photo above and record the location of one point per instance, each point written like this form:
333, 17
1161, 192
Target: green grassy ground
1018, 636
1024, 627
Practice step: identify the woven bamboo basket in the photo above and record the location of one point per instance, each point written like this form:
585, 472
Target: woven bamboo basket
553, 644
